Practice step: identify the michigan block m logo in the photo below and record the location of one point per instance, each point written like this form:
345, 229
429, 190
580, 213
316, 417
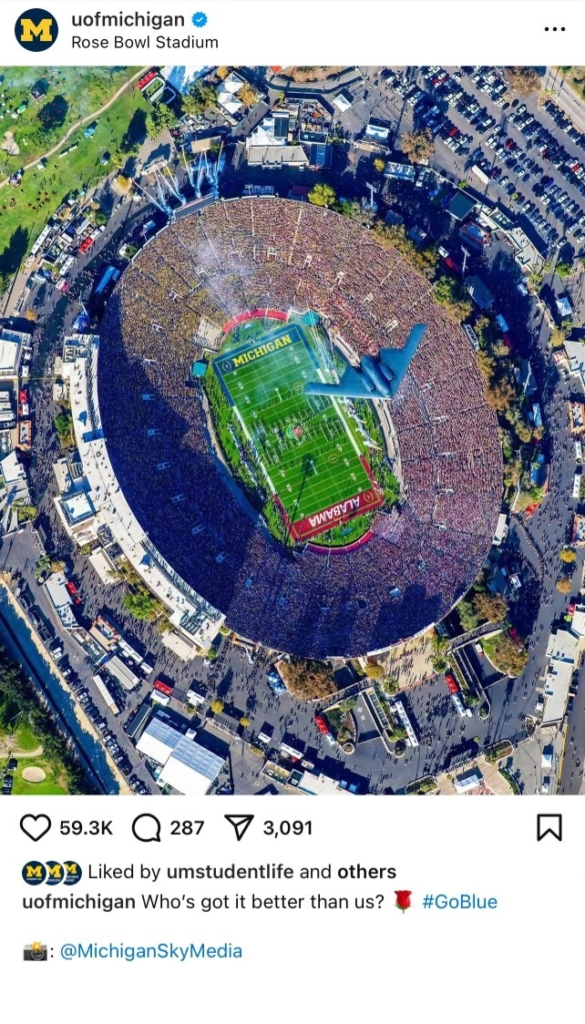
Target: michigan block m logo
36, 29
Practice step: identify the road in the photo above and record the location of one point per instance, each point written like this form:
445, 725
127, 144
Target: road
566, 97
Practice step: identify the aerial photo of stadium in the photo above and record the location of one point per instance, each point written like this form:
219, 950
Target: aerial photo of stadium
317, 529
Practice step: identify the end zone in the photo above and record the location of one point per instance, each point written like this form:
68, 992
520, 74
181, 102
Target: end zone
335, 515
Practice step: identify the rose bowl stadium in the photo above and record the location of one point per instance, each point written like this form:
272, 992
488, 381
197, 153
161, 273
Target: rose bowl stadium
205, 348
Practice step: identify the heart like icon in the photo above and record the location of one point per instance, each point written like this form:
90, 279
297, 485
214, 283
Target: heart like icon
35, 826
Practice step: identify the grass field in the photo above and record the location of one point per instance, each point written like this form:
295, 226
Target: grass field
308, 451
52, 785
24, 211
24, 739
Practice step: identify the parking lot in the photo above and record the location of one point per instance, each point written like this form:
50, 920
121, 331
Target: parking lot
531, 156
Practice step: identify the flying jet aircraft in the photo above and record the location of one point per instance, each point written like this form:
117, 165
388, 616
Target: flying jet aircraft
376, 377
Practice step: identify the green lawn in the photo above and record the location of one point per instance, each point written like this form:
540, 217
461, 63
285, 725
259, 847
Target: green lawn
25, 738
50, 786
72, 94
55, 782
24, 211
308, 451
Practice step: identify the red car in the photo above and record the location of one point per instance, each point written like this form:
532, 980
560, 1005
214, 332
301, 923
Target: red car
163, 687
71, 587
86, 244
451, 682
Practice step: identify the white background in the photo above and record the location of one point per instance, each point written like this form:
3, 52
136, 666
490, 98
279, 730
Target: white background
522, 958
326, 31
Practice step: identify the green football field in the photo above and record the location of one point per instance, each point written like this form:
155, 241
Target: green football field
307, 449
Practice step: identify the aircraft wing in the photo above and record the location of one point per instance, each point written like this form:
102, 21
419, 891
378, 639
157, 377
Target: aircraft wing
397, 360
353, 384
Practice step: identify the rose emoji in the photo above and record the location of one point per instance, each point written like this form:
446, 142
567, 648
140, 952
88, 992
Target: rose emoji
403, 899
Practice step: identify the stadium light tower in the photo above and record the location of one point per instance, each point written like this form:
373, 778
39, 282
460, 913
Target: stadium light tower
373, 192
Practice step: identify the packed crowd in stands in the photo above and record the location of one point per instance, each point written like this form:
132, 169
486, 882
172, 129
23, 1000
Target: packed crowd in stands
257, 253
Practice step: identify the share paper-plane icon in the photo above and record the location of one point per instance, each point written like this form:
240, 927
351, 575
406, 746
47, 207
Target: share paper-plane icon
240, 823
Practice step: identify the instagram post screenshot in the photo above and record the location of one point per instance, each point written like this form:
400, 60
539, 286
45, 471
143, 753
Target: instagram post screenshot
292, 504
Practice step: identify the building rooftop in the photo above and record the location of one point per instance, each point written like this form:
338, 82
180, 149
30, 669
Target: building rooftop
461, 205
9, 356
191, 768
406, 172
158, 740
77, 507
277, 156
479, 292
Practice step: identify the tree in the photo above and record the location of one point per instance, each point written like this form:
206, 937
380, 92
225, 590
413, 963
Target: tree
374, 671
247, 95
118, 158
564, 585
217, 706
158, 118
563, 270
100, 217
307, 680
439, 645
347, 705
509, 655
489, 607
501, 395
25, 513
201, 97
467, 616
418, 146
523, 80
559, 335
568, 556
486, 364
245, 721
390, 686
30, 315
394, 236
141, 604
322, 195
379, 165
451, 294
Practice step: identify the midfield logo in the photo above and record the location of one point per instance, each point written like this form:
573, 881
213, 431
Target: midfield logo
52, 873
36, 29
